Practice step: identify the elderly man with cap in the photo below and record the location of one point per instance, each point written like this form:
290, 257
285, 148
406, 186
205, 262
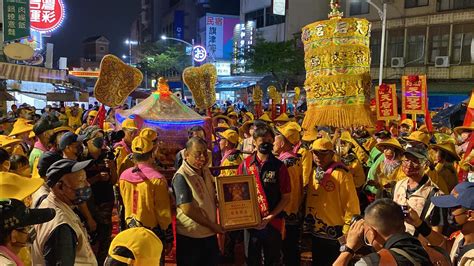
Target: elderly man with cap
461, 207
43, 130
287, 137
45, 161
145, 196
16, 231
135, 246
123, 148
64, 240
70, 145
416, 189
330, 204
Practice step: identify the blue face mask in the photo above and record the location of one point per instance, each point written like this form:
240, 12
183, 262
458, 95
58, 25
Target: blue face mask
82, 195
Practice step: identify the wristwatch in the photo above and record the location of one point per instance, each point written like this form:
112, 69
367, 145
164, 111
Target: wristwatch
345, 248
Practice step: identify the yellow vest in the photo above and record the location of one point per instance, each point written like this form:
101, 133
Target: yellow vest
306, 164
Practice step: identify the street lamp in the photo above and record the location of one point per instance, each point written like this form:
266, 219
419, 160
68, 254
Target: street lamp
124, 56
130, 43
383, 17
191, 44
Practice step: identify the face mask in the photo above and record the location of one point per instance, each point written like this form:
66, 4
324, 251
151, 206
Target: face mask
366, 241
265, 148
98, 142
452, 222
470, 177
82, 195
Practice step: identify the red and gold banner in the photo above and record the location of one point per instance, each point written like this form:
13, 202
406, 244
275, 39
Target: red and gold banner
414, 92
386, 102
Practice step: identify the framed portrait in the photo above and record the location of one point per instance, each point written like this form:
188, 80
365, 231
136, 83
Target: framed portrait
238, 207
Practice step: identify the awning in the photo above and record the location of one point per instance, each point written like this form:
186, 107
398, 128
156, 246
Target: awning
31, 73
236, 82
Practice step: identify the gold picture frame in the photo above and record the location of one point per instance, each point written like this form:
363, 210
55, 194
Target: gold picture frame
238, 206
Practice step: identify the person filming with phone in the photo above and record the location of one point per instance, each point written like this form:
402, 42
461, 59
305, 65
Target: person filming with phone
383, 229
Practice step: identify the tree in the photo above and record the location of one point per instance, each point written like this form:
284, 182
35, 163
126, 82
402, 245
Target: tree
158, 59
283, 60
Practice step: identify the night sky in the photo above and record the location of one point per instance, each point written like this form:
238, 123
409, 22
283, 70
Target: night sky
87, 18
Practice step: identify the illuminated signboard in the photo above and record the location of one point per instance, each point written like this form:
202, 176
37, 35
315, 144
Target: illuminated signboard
199, 53
46, 15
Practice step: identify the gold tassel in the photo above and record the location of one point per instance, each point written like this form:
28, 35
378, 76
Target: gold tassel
338, 116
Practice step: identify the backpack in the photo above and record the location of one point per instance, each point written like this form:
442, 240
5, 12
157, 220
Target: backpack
387, 259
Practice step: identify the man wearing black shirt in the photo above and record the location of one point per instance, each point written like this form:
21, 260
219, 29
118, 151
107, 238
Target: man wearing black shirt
383, 228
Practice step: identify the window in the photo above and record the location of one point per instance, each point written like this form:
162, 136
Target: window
359, 7
416, 44
257, 16
102, 48
271, 19
395, 44
375, 40
415, 3
438, 42
463, 36
454, 4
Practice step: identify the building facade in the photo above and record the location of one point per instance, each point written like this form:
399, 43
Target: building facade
432, 37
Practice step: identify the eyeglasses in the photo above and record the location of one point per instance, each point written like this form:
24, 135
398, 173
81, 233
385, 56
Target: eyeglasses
408, 162
321, 152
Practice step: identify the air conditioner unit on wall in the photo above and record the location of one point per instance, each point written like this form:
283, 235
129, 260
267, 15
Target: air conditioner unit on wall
397, 62
442, 61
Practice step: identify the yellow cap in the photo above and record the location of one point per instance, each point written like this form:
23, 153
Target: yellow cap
282, 118
6, 141
18, 187
108, 127
230, 135
63, 128
143, 243
223, 125
129, 124
149, 133
232, 114
250, 115
447, 147
141, 145
322, 144
408, 122
310, 135
265, 117
93, 113
291, 131
393, 143
21, 127
346, 136
459, 130
419, 136
31, 135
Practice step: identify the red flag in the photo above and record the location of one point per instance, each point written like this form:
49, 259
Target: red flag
428, 122
100, 118
469, 112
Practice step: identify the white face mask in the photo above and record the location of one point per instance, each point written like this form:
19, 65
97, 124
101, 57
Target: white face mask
470, 177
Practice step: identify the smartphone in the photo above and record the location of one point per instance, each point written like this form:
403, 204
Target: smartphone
405, 210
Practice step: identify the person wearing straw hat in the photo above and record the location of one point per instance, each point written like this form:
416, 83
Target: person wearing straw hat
331, 203
247, 116
233, 117
231, 156
12, 145
445, 158
406, 127
463, 134
123, 147
135, 246
287, 137
145, 193
281, 120
21, 131
266, 118
350, 160
383, 176
309, 136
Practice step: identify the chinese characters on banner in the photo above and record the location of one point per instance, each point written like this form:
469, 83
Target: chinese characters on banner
16, 22
214, 36
46, 15
414, 95
386, 102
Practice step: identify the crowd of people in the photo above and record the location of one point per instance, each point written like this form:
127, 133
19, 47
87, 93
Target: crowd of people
76, 191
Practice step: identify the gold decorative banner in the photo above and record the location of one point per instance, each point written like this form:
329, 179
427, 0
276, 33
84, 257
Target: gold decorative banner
201, 81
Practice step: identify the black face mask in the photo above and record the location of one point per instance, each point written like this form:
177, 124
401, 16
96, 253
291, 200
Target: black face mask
98, 142
265, 148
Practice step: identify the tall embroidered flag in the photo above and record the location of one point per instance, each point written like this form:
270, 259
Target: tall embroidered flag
386, 102
469, 111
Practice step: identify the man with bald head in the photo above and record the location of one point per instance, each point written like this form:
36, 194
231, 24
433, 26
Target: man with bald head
383, 229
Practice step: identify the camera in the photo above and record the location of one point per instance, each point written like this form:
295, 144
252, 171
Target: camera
356, 218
